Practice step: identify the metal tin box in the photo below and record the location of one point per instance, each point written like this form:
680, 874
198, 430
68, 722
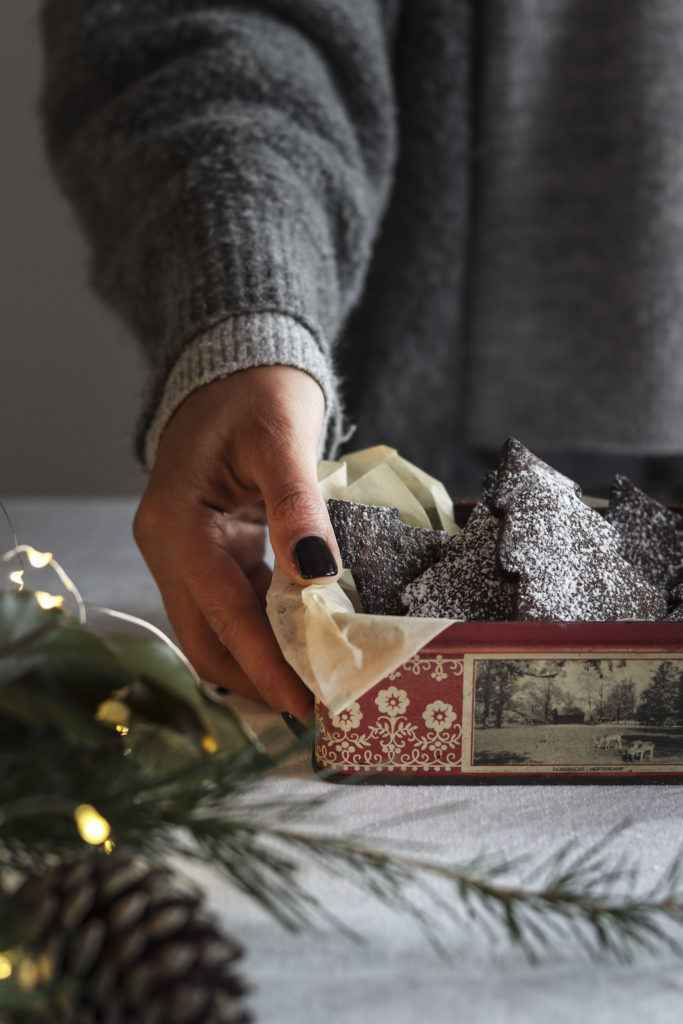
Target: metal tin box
519, 702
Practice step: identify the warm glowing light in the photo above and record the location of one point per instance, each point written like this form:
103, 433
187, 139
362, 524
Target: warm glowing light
28, 974
92, 827
5, 967
17, 577
108, 845
209, 744
39, 559
47, 601
116, 713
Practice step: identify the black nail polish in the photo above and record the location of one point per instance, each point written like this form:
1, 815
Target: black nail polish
292, 723
314, 558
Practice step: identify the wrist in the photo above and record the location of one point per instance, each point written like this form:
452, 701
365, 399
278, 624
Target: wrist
241, 342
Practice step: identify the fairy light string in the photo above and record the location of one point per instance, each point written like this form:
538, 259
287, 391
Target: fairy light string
16, 577
41, 560
45, 559
46, 600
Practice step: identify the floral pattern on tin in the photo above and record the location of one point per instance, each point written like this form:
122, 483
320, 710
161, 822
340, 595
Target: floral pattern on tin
405, 735
392, 702
349, 718
438, 715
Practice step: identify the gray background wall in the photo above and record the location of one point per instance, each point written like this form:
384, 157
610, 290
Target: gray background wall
70, 377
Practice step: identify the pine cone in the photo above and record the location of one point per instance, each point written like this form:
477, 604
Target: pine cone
135, 944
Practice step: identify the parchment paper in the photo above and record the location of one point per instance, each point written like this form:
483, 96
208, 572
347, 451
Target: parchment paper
339, 651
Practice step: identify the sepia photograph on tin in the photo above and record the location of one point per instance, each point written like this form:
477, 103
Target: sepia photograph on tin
610, 713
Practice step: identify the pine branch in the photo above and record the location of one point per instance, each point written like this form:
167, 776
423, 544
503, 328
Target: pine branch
576, 900
211, 811
584, 896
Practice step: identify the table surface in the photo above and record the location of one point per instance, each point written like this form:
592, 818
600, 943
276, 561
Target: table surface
394, 974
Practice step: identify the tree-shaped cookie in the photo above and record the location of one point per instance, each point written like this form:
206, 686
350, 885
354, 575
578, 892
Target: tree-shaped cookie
650, 535
382, 553
565, 555
467, 582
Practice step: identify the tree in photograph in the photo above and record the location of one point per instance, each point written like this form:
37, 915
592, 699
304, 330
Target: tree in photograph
495, 689
567, 702
552, 700
660, 702
597, 671
503, 686
620, 702
587, 684
548, 699
549, 694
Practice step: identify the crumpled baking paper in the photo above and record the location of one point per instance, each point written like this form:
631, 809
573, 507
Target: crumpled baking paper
338, 650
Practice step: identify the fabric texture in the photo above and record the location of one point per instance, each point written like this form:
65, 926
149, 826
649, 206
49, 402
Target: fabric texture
465, 220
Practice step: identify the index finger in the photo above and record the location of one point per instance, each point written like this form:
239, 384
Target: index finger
231, 607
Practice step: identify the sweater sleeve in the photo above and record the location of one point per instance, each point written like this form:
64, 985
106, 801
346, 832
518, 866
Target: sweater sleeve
229, 164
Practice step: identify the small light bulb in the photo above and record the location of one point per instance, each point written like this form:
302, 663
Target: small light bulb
39, 559
108, 845
47, 601
114, 712
17, 577
209, 744
28, 975
92, 827
5, 967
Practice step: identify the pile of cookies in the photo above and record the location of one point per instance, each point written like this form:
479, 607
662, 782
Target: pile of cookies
530, 550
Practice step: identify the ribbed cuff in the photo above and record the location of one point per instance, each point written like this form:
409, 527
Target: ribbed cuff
240, 342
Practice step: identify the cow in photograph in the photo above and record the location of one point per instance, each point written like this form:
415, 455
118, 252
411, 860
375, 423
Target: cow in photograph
609, 740
639, 749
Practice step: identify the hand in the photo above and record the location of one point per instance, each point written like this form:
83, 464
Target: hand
238, 451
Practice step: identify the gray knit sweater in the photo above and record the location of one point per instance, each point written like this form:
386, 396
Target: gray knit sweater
464, 218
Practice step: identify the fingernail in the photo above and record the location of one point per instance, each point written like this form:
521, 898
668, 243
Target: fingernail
297, 727
314, 558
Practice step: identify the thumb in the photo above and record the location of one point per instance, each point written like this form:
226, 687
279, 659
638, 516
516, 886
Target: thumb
300, 530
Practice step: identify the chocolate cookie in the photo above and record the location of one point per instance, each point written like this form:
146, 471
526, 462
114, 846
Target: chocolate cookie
676, 613
383, 554
483, 506
650, 535
467, 582
564, 554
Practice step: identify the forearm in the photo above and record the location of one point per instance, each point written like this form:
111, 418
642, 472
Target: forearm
228, 166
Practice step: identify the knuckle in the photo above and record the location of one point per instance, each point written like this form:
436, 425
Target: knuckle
147, 521
280, 438
296, 502
159, 513
223, 627
272, 424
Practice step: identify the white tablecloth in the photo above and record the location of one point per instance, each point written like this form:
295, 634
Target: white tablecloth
394, 974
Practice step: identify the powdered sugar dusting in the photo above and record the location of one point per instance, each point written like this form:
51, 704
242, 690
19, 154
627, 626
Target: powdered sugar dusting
530, 550
650, 535
565, 555
467, 582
